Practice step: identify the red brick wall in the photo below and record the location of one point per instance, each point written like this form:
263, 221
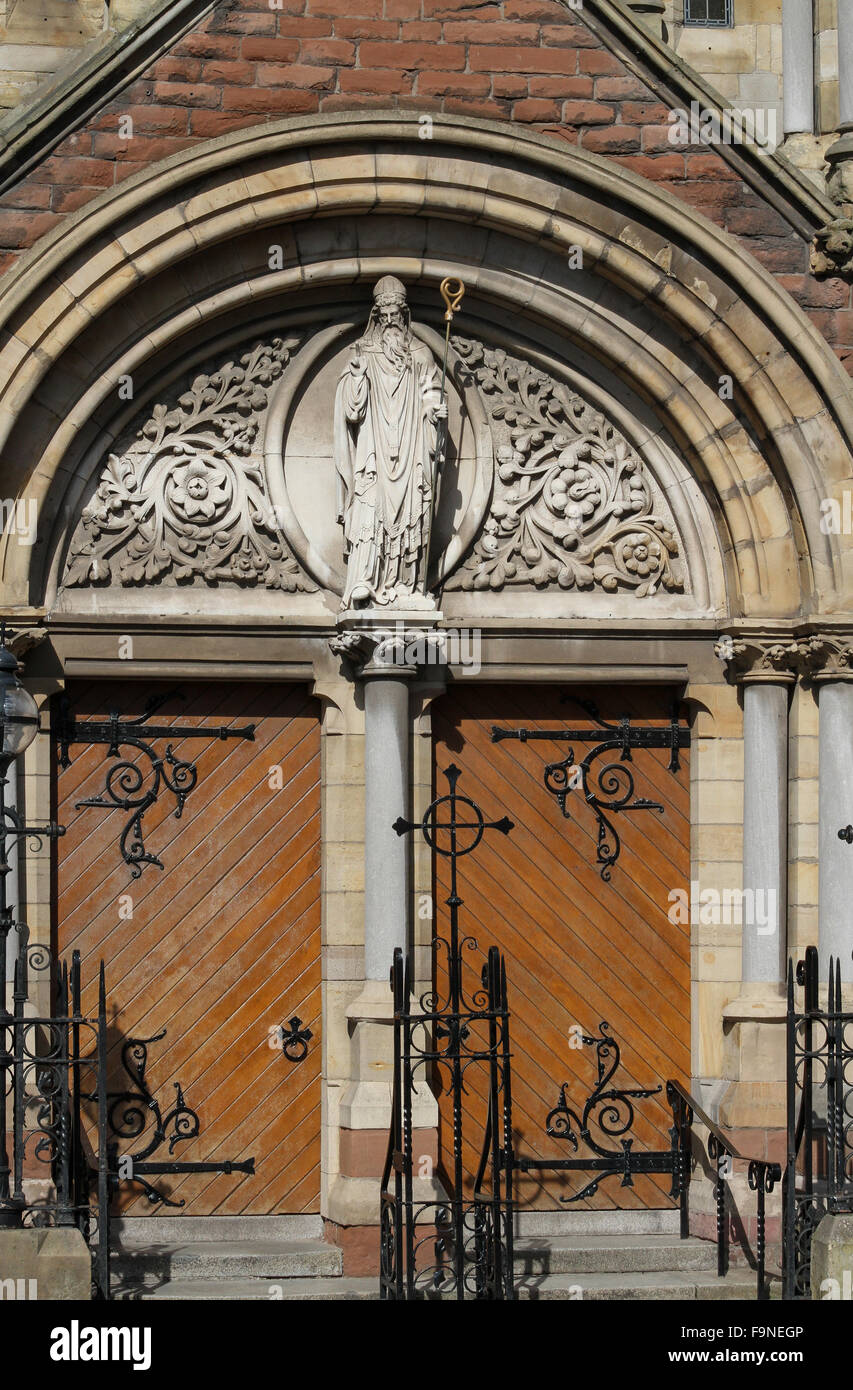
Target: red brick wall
520, 60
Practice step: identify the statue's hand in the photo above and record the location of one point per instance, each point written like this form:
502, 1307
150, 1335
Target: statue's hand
440, 411
358, 365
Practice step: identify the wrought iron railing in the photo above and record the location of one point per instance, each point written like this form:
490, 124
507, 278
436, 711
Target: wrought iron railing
819, 1168
457, 1037
762, 1176
50, 1064
456, 1246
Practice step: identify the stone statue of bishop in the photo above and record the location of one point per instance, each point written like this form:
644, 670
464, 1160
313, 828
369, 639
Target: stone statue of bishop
387, 411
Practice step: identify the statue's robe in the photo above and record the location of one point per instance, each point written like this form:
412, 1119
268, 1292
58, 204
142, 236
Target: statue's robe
385, 444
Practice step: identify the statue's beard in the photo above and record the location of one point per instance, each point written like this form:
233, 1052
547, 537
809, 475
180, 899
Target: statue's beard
395, 344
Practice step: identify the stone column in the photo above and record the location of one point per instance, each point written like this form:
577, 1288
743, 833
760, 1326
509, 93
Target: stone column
839, 156
754, 1045
829, 662
385, 661
845, 64
798, 66
765, 827
387, 777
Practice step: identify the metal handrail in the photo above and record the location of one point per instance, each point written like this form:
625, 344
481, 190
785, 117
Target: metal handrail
762, 1175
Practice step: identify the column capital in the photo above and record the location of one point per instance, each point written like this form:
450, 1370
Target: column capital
751, 658
826, 657
400, 648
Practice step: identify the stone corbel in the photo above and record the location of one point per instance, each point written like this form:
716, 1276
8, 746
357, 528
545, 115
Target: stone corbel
651, 14
21, 640
751, 659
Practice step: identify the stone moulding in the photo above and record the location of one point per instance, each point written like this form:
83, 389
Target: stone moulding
58, 109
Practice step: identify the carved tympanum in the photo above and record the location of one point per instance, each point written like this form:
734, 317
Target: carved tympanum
188, 501
572, 505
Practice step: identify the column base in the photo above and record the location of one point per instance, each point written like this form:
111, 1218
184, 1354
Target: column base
352, 1218
755, 1099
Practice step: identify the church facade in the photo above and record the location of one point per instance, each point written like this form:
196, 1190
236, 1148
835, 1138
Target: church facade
397, 386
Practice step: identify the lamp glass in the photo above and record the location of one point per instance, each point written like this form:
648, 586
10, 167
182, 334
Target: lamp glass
19, 720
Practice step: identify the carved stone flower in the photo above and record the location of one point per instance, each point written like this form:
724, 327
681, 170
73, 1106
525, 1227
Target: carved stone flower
641, 554
199, 489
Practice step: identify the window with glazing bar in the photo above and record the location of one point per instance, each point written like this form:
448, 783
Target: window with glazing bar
717, 13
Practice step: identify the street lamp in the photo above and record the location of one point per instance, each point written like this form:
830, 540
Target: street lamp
19, 717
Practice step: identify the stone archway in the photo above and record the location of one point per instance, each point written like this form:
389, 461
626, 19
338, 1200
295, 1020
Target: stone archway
665, 304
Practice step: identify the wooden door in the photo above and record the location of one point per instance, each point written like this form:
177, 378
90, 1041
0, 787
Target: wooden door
218, 947
579, 950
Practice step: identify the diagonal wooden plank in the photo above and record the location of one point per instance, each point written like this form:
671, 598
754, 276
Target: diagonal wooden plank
224, 940
577, 950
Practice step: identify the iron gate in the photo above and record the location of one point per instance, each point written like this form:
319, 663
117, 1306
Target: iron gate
454, 1246
819, 1170
53, 1067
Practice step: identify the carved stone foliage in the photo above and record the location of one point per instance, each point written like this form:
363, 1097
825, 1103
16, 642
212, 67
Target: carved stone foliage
572, 506
188, 502
760, 658
825, 657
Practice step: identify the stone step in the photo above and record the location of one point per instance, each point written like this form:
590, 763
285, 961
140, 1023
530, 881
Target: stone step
255, 1290
269, 1261
657, 1221
185, 1230
612, 1254
654, 1286
669, 1285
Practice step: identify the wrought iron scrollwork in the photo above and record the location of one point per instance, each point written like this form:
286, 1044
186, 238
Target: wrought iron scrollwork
819, 1169
126, 788
131, 1112
50, 1064
454, 1247
608, 789
609, 1111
